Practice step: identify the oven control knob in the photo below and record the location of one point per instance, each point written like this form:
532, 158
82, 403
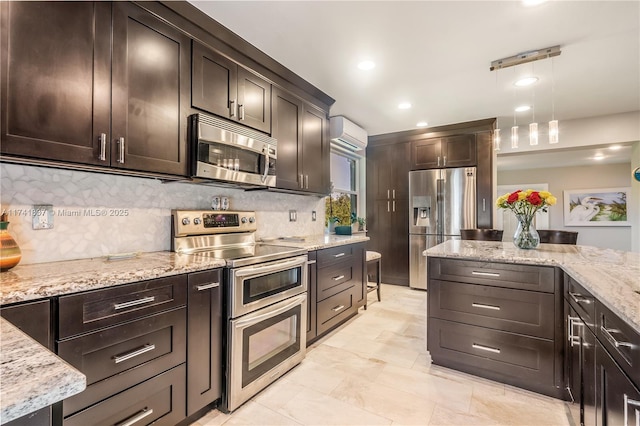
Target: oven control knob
197, 221
252, 219
243, 220
185, 221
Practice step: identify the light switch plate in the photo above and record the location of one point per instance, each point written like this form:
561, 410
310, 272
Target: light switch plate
42, 216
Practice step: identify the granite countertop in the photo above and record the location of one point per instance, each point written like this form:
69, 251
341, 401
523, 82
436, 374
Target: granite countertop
31, 376
612, 276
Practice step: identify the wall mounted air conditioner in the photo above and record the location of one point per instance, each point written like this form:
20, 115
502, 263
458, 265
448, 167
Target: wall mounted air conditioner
347, 134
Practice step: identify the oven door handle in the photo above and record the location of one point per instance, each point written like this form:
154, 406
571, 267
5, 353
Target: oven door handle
253, 318
271, 267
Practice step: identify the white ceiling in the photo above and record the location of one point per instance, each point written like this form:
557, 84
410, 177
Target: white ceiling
437, 54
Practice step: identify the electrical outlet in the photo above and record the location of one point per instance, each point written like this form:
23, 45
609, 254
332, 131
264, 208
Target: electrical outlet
313, 216
42, 216
293, 215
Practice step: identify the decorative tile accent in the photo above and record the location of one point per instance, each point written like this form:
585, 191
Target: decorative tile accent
97, 214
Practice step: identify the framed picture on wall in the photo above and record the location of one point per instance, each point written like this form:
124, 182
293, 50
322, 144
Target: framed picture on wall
596, 207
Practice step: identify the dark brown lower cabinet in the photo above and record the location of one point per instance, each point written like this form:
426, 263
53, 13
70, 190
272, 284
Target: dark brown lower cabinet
204, 340
159, 400
618, 400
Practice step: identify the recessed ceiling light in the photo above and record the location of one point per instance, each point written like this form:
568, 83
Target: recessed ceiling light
523, 108
598, 157
366, 65
422, 124
531, 3
526, 81
404, 105
615, 147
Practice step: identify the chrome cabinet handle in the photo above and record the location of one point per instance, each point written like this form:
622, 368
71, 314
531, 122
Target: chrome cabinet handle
388, 193
146, 348
627, 402
388, 206
339, 277
241, 108
203, 287
306, 181
572, 321
136, 417
438, 161
337, 308
394, 193
485, 274
232, 108
444, 163
485, 348
607, 333
579, 298
302, 181
483, 306
484, 204
394, 205
338, 255
132, 303
103, 147
121, 150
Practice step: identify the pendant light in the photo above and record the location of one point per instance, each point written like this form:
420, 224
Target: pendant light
553, 124
533, 126
514, 129
496, 132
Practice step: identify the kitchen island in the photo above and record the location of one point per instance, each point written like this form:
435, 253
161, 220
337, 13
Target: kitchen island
612, 276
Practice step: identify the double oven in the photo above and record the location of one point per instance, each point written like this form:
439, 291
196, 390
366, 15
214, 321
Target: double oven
265, 293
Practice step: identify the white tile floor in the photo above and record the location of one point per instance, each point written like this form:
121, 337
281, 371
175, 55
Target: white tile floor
376, 370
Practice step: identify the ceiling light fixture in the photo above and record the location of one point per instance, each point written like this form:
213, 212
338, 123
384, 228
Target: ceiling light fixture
404, 105
366, 65
598, 157
522, 108
422, 124
533, 126
496, 133
526, 81
524, 57
554, 133
532, 3
514, 129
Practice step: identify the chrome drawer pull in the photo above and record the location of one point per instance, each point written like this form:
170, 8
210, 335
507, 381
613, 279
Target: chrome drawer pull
578, 298
146, 348
338, 255
103, 147
232, 108
338, 308
612, 340
485, 274
628, 401
136, 417
485, 348
339, 277
483, 306
136, 302
121, 150
207, 286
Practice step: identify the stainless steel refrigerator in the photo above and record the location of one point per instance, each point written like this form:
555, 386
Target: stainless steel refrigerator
441, 202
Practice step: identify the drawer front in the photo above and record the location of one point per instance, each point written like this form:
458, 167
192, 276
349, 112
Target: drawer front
512, 358
524, 277
335, 279
516, 311
160, 400
581, 300
84, 312
118, 357
620, 340
347, 253
335, 309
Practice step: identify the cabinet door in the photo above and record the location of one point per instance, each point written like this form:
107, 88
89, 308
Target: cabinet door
254, 101
287, 129
55, 80
150, 92
459, 151
389, 235
484, 179
380, 171
426, 154
315, 150
618, 401
213, 82
204, 340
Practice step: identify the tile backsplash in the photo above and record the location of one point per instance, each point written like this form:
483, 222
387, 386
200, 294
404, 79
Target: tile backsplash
99, 214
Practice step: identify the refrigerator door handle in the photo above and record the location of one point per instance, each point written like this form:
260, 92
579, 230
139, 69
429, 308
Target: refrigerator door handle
439, 210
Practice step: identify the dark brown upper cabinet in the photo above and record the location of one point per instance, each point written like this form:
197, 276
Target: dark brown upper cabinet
450, 151
303, 144
222, 87
94, 83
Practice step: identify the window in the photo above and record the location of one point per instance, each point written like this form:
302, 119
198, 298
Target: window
347, 190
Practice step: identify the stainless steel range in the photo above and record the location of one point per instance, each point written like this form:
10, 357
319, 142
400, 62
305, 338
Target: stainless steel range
265, 293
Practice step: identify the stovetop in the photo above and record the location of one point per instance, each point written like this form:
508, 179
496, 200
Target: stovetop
251, 254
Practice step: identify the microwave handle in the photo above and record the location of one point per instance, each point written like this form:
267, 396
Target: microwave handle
266, 164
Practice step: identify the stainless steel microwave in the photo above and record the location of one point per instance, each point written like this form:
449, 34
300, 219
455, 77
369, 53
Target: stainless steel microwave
231, 153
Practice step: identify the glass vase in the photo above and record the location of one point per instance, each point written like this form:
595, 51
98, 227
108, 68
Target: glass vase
526, 236
10, 253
